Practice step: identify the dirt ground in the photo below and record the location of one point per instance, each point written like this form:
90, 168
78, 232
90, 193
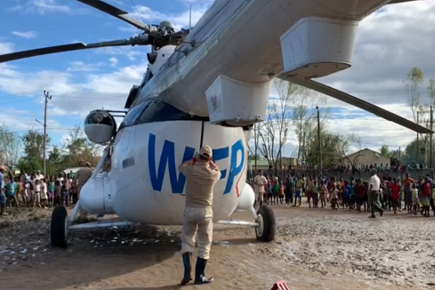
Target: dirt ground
314, 249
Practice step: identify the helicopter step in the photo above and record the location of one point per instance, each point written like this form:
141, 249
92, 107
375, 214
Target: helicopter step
117, 222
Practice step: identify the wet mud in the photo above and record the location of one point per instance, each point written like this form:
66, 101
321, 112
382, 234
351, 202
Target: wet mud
314, 249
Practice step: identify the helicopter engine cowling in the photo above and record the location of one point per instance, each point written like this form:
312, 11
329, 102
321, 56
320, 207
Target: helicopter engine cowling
96, 196
246, 199
100, 126
237, 104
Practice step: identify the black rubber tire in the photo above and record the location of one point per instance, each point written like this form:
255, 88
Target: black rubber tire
269, 225
58, 232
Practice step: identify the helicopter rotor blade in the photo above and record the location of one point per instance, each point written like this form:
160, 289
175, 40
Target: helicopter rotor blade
359, 103
118, 13
401, 1
139, 40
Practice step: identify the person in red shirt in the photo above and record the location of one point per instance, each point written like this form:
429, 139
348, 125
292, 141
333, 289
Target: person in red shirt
395, 194
360, 192
425, 192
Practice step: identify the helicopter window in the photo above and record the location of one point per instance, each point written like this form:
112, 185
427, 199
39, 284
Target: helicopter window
160, 111
134, 114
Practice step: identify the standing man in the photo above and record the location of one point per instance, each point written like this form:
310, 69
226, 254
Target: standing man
259, 182
80, 178
201, 176
374, 187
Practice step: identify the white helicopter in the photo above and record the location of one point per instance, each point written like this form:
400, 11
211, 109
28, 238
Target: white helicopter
208, 86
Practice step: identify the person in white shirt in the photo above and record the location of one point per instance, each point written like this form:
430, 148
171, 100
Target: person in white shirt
37, 193
38, 175
259, 182
374, 187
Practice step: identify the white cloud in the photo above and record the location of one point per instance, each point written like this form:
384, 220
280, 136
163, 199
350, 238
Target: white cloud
113, 61
6, 47
47, 6
179, 20
389, 44
85, 67
132, 53
28, 34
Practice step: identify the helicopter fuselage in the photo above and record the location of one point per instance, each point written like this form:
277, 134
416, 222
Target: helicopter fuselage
169, 119
145, 185
241, 40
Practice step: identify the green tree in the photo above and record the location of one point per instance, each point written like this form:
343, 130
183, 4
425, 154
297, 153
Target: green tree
332, 146
413, 81
9, 147
56, 161
29, 165
385, 151
33, 142
304, 115
78, 148
274, 131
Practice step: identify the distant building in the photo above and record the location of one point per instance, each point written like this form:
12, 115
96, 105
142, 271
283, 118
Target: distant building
366, 157
264, 164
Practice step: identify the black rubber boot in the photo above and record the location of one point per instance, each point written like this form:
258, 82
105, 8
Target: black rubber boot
187, 268
200, 277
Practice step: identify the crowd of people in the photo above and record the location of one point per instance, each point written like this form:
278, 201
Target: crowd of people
37, 190
391, 193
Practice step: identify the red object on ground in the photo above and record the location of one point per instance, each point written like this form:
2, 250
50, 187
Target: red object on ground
280, 285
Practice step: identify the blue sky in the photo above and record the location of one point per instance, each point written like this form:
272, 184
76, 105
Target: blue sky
77, 80
81, 81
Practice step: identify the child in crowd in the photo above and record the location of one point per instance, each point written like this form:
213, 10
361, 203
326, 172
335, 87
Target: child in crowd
281, 193
51, 190
275, 190
65, 193
415, 201
346, 195
58, 192
322, 193
37, 195
334, 198
315, 194
11, 188
44, 196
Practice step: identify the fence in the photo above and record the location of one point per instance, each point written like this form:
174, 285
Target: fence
346, 174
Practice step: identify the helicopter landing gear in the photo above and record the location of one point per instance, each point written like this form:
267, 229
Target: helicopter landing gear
265, 231
59, 227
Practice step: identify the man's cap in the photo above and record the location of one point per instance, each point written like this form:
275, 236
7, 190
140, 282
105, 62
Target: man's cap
373, 169
2, 168
206, 151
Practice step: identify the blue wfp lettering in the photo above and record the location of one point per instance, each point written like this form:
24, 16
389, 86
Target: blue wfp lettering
178, 182
167, 157
235, 168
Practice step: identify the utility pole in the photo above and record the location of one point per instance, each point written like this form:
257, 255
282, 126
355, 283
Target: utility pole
319, 144
418, 149
47, 97
431, 138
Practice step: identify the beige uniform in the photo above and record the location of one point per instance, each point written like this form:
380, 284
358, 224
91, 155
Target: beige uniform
200, 181
81, 177
259, 182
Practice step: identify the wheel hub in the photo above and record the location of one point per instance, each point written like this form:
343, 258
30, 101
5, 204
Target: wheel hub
260, 228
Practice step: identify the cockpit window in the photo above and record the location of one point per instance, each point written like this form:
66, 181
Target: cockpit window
156, 111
